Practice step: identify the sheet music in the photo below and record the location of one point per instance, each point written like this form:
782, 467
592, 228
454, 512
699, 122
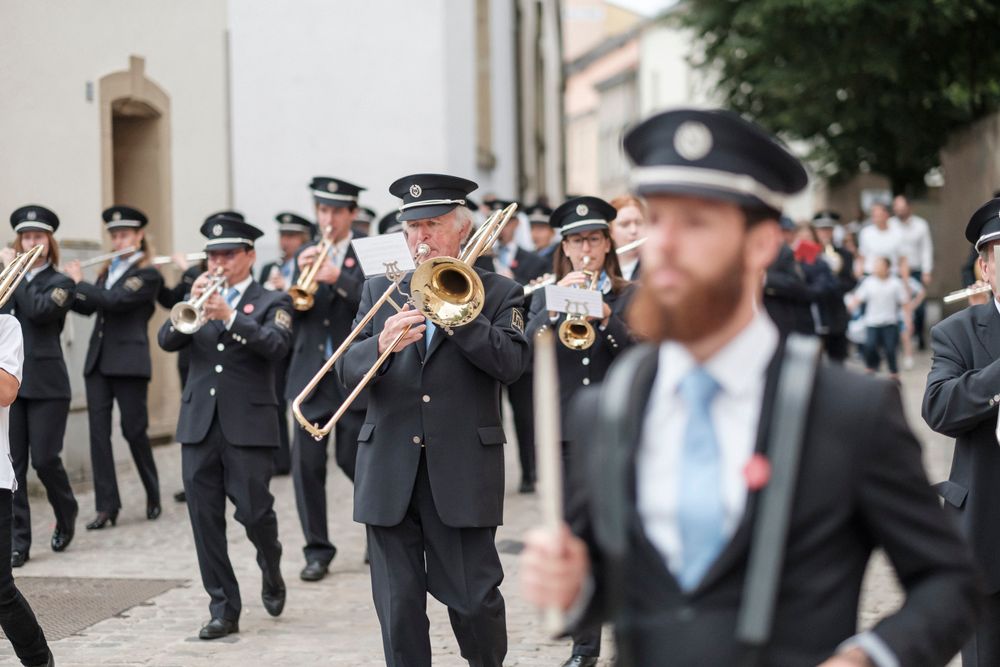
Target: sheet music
574, 300
375, 252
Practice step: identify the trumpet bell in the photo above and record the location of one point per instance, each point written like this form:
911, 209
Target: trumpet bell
577, 333
185, 317
302, 297
447, 291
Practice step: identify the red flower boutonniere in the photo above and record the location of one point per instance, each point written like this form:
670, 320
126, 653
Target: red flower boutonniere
248, 308
513, 264
757, 472
349, 262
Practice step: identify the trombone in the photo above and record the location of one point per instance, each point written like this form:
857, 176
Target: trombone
13, 273
189, 316
303, 292
576, 332
447, 290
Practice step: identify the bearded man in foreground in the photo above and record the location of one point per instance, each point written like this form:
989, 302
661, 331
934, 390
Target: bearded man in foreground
703, 528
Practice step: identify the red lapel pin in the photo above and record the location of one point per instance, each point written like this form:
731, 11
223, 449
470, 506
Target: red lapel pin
348, 262
248, 308
757, 472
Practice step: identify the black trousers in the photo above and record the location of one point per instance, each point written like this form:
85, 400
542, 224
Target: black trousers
522, 405
460, 567
130, 393
919, 314
214, 470
37, 427
836, 347
16, 618
283, 454
309, 462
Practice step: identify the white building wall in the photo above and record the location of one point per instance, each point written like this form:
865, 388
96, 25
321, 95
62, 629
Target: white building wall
364, 91
50, 133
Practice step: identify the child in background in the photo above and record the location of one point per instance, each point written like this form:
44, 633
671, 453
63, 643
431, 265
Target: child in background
915, 290
884, 295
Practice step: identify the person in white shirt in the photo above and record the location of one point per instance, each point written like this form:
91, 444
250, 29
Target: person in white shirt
884, 296
16, 617
879, 239
918, 249
678, 458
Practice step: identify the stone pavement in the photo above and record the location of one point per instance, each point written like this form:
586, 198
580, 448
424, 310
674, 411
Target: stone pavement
327, 623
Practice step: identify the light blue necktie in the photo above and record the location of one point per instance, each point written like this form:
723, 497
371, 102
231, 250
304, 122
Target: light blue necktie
429, 333
232, 296
116, 262
503, 255
700, 513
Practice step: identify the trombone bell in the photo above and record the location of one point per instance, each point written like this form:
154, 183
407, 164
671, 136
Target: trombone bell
447, 291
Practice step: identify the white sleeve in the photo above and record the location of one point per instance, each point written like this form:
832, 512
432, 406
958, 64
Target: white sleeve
861, 293
11, 346
927, 248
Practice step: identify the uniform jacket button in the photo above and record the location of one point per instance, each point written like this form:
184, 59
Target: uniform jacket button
416, 440
220, 347
218, 368
426, 398
211, 392
586, 361
586, 381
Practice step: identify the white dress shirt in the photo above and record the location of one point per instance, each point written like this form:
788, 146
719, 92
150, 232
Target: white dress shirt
740, 368
874, 243
116, 272
12, 362
917, 246
339, 250
241, 288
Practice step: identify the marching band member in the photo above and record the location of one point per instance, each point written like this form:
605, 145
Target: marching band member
118, 367
228, 425
666, 530
17, 620
542, 235
584, 223
628, 226
319, 331
429, 482
38, 416
294, 232
963, 391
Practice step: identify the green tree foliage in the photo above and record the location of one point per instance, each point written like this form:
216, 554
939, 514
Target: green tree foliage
870, 84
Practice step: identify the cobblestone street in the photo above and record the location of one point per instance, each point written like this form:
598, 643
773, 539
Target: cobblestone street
331, 622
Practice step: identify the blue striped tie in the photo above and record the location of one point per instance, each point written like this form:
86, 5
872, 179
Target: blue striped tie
700, 512
232, 296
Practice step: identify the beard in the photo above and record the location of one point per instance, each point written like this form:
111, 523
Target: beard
707, 305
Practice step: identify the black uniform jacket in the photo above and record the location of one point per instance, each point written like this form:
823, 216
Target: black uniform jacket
41, 306
232, 371
119, 343
330, 317
443, 401
527, 266
580, 368
861, 485
168, 297
963, 392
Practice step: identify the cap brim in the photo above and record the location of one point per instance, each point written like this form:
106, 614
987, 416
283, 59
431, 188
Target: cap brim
22, 227
339, 203
583, 229
424, 212
704, 192
227, 246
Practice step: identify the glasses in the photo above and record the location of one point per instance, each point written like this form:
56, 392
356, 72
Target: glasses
577, 241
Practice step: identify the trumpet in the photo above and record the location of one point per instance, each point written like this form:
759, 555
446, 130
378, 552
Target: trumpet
972, 290
303, 292
160, 260
100, 259
13, 273
447, 290
576, 332
189, 316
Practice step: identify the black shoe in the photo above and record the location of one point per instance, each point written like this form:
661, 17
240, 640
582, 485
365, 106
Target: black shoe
61, 538
153, 511
49, 662
314, 571
272, 594
18, 558
527, 486
581, 661
103, 519
180, 497
218, 628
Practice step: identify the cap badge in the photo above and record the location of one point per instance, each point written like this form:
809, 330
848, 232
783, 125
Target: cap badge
217, 230
582, 209
32, 215
286, 218
332, 186
117, 215
416, 191
693, 140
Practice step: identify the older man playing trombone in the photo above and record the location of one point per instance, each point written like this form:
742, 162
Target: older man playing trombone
429, 482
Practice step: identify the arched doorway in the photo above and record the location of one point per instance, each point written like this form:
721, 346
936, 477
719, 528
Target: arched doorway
135, 171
